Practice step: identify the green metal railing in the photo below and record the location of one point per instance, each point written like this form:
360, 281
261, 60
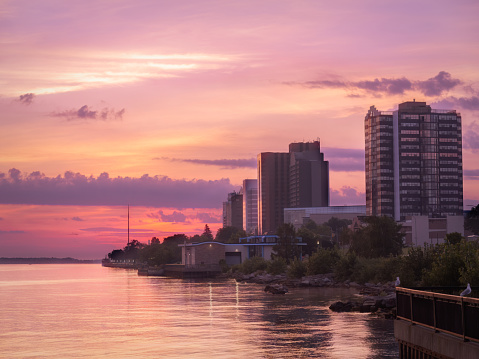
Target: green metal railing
458, 316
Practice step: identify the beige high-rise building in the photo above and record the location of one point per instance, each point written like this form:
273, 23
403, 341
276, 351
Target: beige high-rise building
413, 162
250, 206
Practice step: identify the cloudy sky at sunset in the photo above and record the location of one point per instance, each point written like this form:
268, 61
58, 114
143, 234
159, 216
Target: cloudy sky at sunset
166, 104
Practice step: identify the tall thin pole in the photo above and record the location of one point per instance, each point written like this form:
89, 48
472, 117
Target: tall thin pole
128, 224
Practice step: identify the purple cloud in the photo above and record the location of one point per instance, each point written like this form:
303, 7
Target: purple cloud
179, 217
175, 217
117, 230
470, 137
208, 218
347, 196
77, 189
344, 159
78, 219
26, 99
434, 86
11, 232
471, 174
85, 113
387, 86
465, 103
225, 163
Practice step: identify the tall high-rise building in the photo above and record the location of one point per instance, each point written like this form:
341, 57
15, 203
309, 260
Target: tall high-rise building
413, 162
233, 210
273, 190
250, 206
298, 178
308, 176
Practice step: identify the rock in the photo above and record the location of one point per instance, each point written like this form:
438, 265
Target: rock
276, 289
343, 307
305, 283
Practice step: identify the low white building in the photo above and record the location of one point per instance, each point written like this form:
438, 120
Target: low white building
320, 215
420, 230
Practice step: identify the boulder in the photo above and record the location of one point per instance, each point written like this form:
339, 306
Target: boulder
343, 307
276, 289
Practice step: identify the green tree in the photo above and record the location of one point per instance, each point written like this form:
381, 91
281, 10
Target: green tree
286, 245
453, 238
382, 236
207, 235
337, 225
116, 254
446, 268
323, 261
310, 238
229, 234
315, 236
472, 220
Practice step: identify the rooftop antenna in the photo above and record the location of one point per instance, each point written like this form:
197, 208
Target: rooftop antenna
128, 224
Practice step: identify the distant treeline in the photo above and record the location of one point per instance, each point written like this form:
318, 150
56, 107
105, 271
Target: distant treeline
47, 261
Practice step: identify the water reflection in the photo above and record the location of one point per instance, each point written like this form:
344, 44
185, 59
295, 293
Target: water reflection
89, 311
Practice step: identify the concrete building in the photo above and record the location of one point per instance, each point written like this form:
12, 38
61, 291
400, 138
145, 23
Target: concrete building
250, 206
210, 253
233, 210
299, 178
273, 190
308, 176
320, 215
413, 162
420, 230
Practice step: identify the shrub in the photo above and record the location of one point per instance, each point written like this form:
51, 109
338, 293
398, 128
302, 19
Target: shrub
375, 270
252, 265
322, 261
276, 266
345, 266
297, 269
224, 267
446, 267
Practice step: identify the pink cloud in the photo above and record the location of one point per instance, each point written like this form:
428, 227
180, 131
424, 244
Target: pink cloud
347, 196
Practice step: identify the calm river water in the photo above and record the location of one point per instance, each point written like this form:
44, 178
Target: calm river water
87, 311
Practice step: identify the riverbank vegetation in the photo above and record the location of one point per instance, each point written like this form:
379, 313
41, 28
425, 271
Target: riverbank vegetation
372, 253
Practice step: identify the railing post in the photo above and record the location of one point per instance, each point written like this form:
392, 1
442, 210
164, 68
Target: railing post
434, 310
410, 304
463, 320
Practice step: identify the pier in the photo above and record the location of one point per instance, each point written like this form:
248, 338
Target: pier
435, 325
192, 270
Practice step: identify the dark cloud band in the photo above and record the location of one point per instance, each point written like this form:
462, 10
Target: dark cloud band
433, 86
77, 189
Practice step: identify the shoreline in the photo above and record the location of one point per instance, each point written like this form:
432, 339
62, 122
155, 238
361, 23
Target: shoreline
378, 299
46, 260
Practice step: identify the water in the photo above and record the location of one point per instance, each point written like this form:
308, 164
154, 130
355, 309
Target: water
87, 311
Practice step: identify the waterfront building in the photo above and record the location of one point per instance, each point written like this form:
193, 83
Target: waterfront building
320, 215
413, 162
250, 206
204, 254
233, 210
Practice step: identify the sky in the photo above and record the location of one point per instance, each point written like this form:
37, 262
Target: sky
164, 105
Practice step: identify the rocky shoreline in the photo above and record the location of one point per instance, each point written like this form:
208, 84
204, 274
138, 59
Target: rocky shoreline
378, 299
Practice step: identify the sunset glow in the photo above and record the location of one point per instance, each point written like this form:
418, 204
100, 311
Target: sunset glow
165, 105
